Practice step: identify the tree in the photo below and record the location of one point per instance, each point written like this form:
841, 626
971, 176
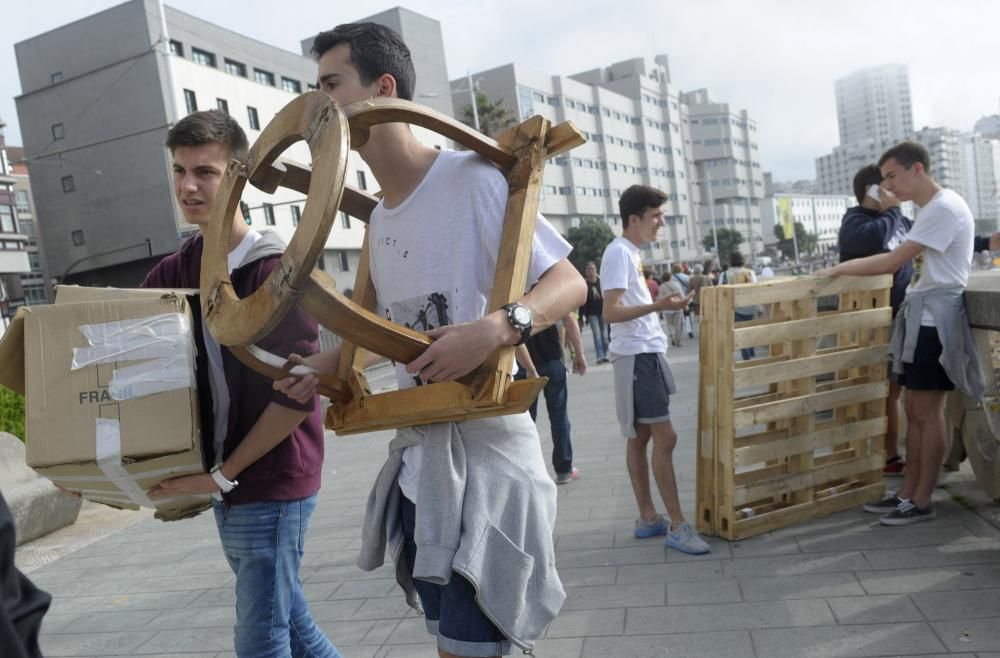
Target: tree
729, 241
11, 413
589, 240
494, 116
807, 241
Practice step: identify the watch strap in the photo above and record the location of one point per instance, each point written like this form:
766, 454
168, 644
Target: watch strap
220, 479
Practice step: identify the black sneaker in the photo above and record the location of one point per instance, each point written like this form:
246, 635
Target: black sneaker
884, 506
907, 513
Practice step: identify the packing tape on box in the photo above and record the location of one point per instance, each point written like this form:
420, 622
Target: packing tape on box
163, 342
109, 460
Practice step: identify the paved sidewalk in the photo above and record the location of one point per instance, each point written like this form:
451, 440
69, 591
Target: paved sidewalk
840, 586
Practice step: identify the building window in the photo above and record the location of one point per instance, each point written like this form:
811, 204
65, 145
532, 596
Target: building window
344, 265
57, 77
203, 57
67, 184
222, 104
58, 132
78, 238
190, 101
176, 48
291, 85
263, 77
252, 117
296, 215
235, 68
361, 180
7, 219
269, 214
345, 220
313, 87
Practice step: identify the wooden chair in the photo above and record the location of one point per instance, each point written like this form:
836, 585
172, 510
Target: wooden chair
330, 132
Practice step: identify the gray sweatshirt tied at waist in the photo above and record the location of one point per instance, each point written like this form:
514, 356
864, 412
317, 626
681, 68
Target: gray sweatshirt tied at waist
486, 508
959, 357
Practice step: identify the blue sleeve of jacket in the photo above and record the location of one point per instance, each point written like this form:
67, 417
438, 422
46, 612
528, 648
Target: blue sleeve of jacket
866, 238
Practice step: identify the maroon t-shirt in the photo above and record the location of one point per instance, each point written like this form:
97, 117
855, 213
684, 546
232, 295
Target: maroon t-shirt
293, 468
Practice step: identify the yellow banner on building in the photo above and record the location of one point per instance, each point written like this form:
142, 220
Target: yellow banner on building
785, 214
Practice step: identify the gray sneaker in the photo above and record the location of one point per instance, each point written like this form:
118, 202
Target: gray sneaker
686, 540
884, 506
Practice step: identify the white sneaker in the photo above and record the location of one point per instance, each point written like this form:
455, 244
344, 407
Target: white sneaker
686, 540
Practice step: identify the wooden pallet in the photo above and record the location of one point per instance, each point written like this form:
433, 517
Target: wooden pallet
797, 432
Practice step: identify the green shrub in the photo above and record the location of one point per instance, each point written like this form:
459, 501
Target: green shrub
11, 413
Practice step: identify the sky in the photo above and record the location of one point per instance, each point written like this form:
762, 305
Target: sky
778, 59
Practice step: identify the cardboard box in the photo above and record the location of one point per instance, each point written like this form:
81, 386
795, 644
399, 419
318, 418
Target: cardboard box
110, 397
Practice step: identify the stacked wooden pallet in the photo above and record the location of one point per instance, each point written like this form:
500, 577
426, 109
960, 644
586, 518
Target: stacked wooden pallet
798, 431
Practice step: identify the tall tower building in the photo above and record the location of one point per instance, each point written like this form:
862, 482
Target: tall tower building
874, 104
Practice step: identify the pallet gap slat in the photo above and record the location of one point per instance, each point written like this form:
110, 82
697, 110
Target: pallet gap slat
799, 432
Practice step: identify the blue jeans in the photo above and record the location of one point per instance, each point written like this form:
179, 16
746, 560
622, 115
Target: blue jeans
263, 543
747, 352
599, 329
556, 396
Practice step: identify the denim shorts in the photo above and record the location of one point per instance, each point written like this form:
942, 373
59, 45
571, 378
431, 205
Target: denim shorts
451, 611
649, 390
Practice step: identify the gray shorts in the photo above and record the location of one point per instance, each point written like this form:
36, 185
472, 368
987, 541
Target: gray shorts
650, 397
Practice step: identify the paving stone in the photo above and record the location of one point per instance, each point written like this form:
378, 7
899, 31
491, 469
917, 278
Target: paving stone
846, 641
583, 541
334, 610
363, 589
189, 640
345, 632
321, 591
805, 564
409, 651
96, 644
382, 629
216, 597
101, 622
654, 553
728, 616
150, 601
704, 591
587, 623
55, 622
614, 596
558, 648
390, 607
358, 651
764, 545
874, 537
901, 581
985, 551
203, 617
576, 576
891, 608
670, 573
809, 586
730, 644
968, 604
411, 630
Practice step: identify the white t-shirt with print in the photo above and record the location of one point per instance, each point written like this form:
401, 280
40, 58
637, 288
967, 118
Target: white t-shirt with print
946, 229
621, 268
434, 256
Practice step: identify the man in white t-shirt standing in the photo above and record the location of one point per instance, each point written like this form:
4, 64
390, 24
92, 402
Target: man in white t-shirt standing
933, 361
643, 381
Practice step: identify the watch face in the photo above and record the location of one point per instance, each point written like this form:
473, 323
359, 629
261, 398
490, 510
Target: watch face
522, 316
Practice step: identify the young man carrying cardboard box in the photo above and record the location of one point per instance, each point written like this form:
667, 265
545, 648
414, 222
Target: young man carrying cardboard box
268, 447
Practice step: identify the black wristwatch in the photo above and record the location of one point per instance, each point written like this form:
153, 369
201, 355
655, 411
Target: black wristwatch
519, 317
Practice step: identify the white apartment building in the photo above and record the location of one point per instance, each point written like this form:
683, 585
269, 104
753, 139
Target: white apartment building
819, 214
981, 179
726, 166
640, 130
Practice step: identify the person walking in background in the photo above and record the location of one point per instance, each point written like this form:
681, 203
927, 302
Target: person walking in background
592, 310
738, 273
670, 287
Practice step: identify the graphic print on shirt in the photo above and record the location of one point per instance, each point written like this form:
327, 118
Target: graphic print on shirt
421, 313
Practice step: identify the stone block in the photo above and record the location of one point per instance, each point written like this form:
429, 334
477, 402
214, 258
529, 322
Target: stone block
37, 506
854, 641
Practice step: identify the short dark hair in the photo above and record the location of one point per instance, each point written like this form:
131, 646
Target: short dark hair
906, 154
736, 259
637, 199
866, 177
209, 127
375, 50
